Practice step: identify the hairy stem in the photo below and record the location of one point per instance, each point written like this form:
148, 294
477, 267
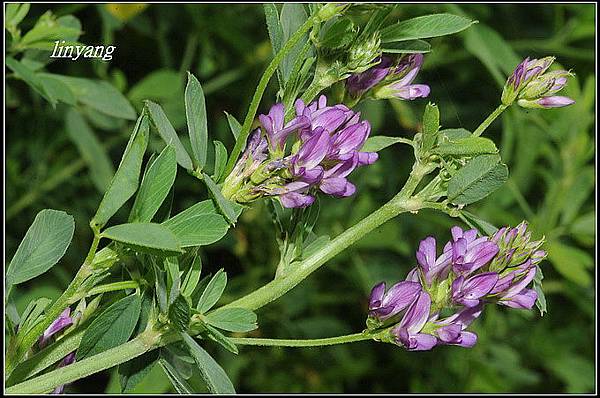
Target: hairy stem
112, 287
349, 338
260, 89
485, 124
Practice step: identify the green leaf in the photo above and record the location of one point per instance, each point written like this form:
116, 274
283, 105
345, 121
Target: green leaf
213, 291
97, 94
226, 206
125, 181
155, 186
233, 319
275, 32
177, 379
213, 374
221, 339
379, 142
291, 18
192, 277
168, 134
406, 47
134, 371
470, 146
173, 278
198, 225
158, 85
46, 30
584, 225
15, 13
220, 160
30, 77
234, 125
431, 126
340, 34
484, 227
540, 302
477, 179
145, 237
195, 111
45, 242
56, 89
424, 27
571, 262
455, 134
111, 328
90, 148
179, 313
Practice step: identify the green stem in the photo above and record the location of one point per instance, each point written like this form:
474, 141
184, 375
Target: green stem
112, 287
349, 338
260, 89
401, 203
105, 360
29, 339
485, 124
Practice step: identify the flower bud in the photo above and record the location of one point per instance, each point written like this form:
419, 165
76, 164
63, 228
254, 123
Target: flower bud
362, 54
531, 87
330, 10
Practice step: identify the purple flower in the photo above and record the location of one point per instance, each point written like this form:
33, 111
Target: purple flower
360, 83
452, 330
432, 265
384, 305
408, 332
515, 294
402, 87
64, 320
469, 291
469, 253
276, 132
532, 87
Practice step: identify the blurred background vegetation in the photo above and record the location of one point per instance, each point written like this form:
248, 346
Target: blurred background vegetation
550, 155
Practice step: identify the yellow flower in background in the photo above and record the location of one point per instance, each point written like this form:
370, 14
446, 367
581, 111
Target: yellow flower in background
125, 12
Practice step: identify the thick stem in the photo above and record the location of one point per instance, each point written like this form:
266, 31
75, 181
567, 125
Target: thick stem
302, 343
260, 89
107, 359
485, 124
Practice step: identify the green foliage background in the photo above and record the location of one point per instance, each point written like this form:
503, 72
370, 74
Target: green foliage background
550, 155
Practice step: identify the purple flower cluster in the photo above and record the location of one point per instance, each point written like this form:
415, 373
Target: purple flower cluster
63, 321
325, 150
470, 272
390, 79
532, 87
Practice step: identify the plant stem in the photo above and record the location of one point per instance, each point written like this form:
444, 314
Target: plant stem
349, 338
149, 340
111, 287
485, 124
29, 339
401, 203
47, 382
260, 89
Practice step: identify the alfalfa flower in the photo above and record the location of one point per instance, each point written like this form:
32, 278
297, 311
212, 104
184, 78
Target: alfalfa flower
532, 87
